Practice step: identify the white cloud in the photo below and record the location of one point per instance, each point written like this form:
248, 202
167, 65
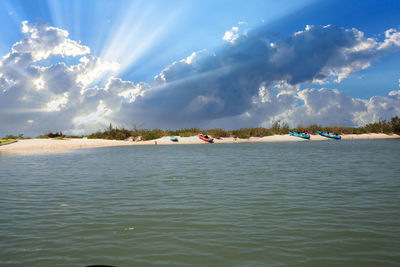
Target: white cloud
333, 107
379, 108
39, 83
99, 116
392, 40
43, 41
57, 103
4, 84
245, 84
92, 69
128, 90
232, 35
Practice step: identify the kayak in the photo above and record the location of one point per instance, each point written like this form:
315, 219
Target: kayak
174, 139
206, 138
301, 135
333, 136
7, 141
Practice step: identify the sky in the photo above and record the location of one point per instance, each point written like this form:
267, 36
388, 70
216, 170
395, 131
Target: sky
77, 66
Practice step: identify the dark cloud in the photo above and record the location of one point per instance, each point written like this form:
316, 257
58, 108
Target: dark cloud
250, 81
224, 84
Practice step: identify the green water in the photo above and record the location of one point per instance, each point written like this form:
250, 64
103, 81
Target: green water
266, 204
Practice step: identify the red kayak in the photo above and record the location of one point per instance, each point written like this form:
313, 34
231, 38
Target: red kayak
206, 138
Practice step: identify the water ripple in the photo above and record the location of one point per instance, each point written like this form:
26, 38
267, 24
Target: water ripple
223, 204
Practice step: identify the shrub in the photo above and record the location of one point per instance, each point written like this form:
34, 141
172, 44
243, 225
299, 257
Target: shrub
10, 136
42, 137
151, 135
218, 133
259, 132
111, 133
279, 128
395, 124
379, 127
186, 132
241, 133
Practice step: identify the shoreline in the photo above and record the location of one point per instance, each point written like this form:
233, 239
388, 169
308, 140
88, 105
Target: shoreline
40, 146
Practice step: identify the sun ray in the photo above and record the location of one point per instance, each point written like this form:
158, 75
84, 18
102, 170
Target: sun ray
135, 34
56, 13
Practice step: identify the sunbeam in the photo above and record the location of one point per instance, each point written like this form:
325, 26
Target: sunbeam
181, 62
135, 34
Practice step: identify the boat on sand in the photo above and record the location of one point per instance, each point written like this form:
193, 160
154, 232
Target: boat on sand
301, 135
206, 138
333, 136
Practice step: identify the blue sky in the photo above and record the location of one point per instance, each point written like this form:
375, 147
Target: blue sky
145, 38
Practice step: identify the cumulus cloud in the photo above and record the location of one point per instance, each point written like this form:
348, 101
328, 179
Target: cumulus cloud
42, 41
35, 98
224, 84
250, 81
318, 106
92, 68
392, 40
378, 108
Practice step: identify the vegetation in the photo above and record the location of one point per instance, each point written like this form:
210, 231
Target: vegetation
42, 137
395, 123
11, 136
277, 127
59, 138
73, 136
217, 133
111, 133
185, 132
383, 126
153, 134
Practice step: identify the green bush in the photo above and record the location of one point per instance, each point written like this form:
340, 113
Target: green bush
241, 133
217, 133
259, 132
42, 137
10, 136
379, 127
279, 128
186, 132
151, 135
395, 124
245, 133
111, 133
73, 136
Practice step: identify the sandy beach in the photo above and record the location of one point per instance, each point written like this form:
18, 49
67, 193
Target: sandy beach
37, 146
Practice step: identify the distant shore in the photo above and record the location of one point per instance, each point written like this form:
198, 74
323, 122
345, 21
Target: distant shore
38, 146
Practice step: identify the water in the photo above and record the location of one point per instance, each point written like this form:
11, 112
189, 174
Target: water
265, 204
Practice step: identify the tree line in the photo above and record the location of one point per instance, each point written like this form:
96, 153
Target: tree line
278, 128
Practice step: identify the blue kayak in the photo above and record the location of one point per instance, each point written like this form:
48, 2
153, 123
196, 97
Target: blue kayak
333, 136
174, 139
301, 135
